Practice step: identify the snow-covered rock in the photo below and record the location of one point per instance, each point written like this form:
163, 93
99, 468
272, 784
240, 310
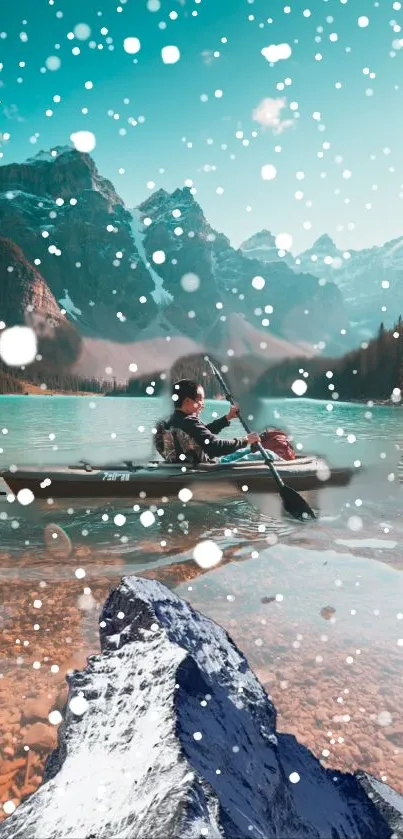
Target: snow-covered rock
387, 800
168, 733
159, 294
50, 155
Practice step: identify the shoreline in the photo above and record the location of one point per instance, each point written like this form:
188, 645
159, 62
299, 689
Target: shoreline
36, 390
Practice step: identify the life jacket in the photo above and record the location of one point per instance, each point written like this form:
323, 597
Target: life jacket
175, 446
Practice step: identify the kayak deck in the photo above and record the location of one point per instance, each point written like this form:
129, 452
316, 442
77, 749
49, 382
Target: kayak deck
165, 479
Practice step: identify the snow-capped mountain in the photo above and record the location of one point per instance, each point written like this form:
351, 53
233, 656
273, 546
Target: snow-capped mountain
113, 273
262, 246
208, 277
70, 222
371, 280
169, 733
324, 252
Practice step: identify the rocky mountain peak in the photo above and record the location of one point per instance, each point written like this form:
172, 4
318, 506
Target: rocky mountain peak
184, 196
262, 246
173, 208
51, 155
325, 243
65, 175
263, 237
156, 201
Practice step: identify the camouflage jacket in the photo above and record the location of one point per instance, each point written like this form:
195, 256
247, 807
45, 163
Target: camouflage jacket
185, 438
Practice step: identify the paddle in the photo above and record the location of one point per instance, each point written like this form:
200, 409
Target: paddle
293, 502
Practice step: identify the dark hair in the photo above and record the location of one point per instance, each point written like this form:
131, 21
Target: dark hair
184, 389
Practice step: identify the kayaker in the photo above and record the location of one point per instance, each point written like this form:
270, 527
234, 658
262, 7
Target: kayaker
185, 438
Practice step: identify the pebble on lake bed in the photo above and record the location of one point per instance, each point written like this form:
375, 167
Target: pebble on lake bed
57, 541
327, 612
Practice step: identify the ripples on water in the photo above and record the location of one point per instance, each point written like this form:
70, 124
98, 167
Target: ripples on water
176, 525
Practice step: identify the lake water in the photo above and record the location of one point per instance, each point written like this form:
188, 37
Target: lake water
61, 429
317, 608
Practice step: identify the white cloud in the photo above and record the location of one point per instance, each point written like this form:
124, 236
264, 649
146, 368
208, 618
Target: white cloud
208, 57
276, 52
268, 114
12, 112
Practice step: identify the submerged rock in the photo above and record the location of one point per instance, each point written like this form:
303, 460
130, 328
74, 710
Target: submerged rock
168, 733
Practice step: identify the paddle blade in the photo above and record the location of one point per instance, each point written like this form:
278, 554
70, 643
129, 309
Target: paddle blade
295, 504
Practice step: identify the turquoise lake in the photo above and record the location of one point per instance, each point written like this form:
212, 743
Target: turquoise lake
61, 429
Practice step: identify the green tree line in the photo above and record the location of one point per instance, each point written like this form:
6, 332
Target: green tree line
12, 380
373, 371
192, 367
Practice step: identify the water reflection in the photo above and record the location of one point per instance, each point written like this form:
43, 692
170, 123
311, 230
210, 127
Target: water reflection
115, 526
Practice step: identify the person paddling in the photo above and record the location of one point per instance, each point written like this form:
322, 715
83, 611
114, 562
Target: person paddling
185, 438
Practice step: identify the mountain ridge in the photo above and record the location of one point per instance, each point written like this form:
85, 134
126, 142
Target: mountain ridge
370, 279
111, 270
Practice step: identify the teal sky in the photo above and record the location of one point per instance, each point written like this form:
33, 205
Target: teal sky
358, 118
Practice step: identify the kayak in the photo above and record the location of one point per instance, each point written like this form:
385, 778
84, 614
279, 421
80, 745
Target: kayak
156, 480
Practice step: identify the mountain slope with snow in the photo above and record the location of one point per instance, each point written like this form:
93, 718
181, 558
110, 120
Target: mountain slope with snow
168, 733
262, 246
69, 220
210, 279
370, 280
113, 273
